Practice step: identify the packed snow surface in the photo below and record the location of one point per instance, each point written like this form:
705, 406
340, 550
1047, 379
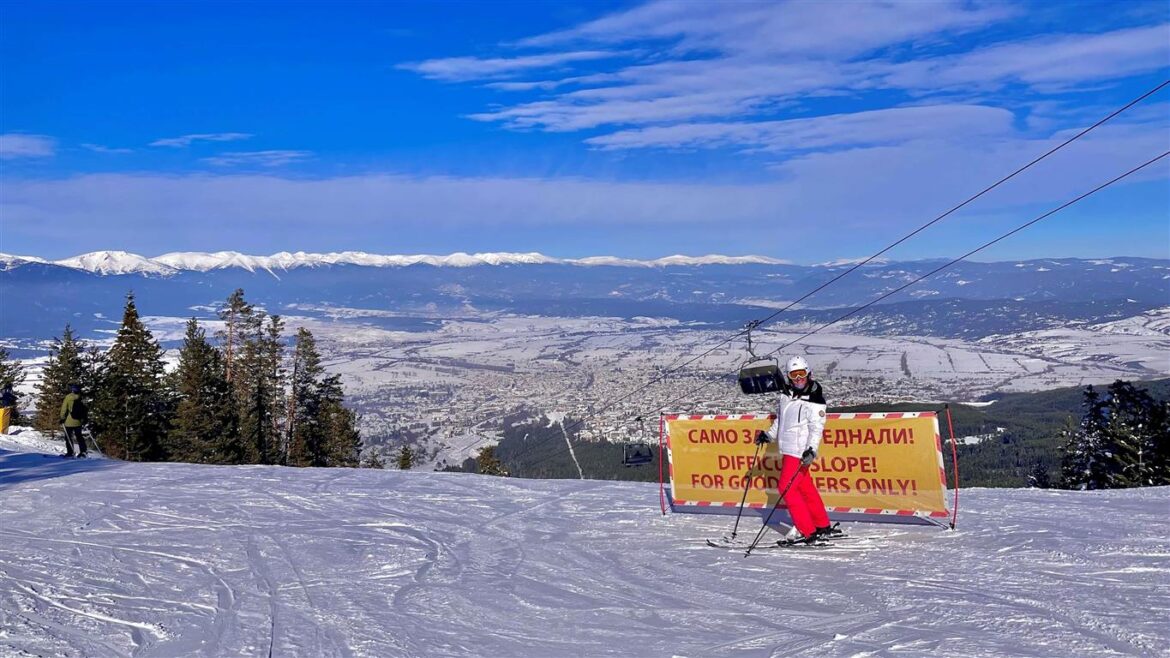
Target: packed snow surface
106, 558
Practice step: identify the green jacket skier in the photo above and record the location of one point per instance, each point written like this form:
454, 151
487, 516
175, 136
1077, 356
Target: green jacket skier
73, 417
67, 411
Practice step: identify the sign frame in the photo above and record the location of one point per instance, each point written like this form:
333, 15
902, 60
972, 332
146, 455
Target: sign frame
866, 514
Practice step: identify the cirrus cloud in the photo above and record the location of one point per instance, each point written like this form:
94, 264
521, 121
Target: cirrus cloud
271, 158
186, 140
19, 145
458, 69
725, 74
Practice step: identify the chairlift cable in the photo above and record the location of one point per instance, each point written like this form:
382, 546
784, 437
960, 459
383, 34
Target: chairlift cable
756, 323
974, 251
691, 392
985, 245
970, 199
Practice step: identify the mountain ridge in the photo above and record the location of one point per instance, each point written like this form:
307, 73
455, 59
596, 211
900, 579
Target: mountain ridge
116, 262
122, 262
970, 300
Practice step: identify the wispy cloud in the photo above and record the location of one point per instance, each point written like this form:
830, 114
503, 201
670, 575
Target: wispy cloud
806, 28
1044, 63
877, 127
731, 74
17, 145
869, 191
458, 69
186, 140
98, 148
274, 158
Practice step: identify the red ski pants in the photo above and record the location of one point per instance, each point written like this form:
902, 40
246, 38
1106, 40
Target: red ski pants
803, 500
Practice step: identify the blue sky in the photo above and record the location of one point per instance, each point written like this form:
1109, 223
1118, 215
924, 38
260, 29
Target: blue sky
799, 130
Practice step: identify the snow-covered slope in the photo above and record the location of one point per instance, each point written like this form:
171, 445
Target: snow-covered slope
116, 262
9, 261
105, 558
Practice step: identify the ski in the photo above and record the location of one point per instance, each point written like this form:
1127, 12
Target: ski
801, 546
836, 537
834, 532
782, 544
727, 542
823, 541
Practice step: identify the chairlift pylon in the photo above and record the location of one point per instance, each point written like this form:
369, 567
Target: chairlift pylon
637, 453
758, 374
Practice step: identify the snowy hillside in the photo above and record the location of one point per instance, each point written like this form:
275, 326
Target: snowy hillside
104, 558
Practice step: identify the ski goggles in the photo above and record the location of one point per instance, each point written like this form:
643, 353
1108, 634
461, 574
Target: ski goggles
798, 374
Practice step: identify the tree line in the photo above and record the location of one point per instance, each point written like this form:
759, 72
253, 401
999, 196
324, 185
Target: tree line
243, 399
1123, 440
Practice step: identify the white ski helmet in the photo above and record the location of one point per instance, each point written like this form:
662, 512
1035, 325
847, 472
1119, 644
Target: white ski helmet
797, 363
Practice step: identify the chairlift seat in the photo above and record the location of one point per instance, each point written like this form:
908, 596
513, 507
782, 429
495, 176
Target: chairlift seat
759, 378
636, 454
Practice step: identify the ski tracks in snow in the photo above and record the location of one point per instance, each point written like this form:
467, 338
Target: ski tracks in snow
167, 559
565, 433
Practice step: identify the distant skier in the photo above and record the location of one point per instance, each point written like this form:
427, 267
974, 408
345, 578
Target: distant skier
800, 422
74, 415
7, 408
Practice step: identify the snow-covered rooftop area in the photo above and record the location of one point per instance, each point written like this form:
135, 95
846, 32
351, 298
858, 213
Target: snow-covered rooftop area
105, 558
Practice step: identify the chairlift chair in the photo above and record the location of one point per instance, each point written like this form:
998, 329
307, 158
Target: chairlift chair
637, 453
758, 374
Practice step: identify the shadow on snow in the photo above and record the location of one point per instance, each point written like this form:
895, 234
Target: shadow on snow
20, 467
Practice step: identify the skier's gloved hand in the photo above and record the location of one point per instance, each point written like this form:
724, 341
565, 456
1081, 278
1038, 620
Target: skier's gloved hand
808, 456
762, 438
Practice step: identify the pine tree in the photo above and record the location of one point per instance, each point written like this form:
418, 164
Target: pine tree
253, 363
1121, 441
273, 354
1129, 437
306, 435
11, 374
1156, 449
204, 427
1039, 479
1080, 468
11, 371
488, 464
321, 430
66, 365
405, 458
132, 408
343, 441
1158, 445
373, 460
237, 315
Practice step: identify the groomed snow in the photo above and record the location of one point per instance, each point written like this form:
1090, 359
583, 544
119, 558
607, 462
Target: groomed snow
105, 558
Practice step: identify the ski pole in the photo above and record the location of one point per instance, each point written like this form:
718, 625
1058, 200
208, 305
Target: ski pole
747, 483
764, 527
86, 433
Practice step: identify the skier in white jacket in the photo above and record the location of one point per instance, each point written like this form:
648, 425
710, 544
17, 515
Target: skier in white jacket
799, 426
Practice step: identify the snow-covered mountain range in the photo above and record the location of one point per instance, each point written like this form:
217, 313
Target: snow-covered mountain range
969, 300
122, 262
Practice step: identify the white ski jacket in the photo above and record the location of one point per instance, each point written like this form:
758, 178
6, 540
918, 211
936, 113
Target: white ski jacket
800, 419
